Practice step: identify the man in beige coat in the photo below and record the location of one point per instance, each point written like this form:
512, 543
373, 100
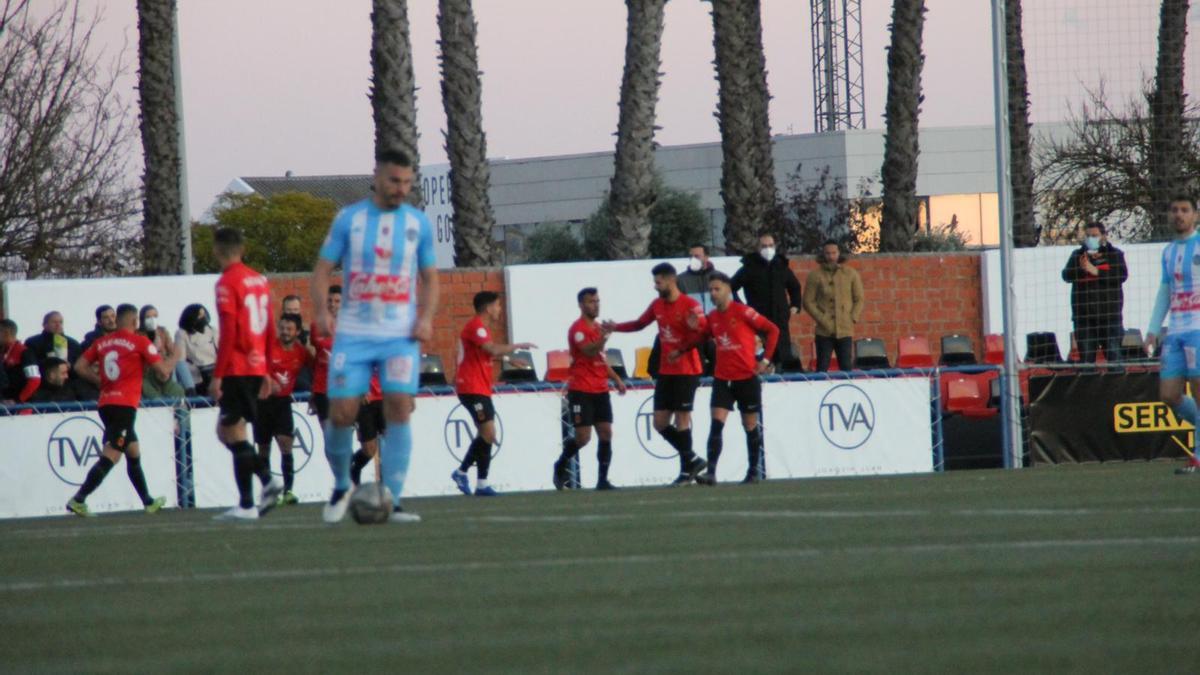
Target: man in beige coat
834, 298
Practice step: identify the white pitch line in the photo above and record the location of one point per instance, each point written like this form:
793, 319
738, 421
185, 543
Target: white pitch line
18, 585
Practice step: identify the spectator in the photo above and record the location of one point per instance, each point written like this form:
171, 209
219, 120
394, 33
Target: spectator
833, 295
1096, 271
152, 387
693, 282
20, 368
196, 341
106, 322
291, 305
57, 386
52, 341
773, 291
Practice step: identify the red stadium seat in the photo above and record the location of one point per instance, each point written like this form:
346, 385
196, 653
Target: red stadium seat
914, 352
993, 349
965, 391
558, 365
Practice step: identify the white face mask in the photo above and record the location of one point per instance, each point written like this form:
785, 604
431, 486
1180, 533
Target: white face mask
768, 253
151, 323
695, 265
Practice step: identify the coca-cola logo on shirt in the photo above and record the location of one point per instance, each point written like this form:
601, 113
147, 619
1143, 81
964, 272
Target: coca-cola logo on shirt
386, 287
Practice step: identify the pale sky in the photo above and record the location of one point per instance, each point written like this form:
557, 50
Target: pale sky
277, 85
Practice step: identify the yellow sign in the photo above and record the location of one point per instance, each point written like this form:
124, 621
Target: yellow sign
1133, 418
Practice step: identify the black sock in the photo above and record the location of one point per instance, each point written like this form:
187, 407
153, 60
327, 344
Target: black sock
245, 463
570, 449
133, 467
95, 476
754, 450
604, 457
358, 461
672, 436
475, 452
483, 457
686, 456
289, 470
716, 441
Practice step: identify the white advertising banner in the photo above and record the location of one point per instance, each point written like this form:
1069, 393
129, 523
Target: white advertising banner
48, 456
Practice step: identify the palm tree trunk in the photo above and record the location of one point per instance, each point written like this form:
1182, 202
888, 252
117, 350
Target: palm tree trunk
633, 183
1166, 113
760, 102
740, 183
393, 87
1025, 231
900, 146
162, 202
466, 144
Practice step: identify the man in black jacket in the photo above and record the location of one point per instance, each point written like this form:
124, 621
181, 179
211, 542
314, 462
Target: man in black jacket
56, 387
773, 291
1096, 271
106, 322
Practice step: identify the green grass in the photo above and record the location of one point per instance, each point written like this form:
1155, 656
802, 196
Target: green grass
1064, 569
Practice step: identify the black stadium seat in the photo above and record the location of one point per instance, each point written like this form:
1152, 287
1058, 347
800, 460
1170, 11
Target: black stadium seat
957, 350
870, 354
432, 372
1042, 348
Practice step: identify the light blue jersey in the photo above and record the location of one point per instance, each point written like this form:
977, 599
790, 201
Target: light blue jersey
1179, 296
381, 253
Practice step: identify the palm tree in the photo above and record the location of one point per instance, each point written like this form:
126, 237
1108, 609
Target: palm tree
741, 187
1166, 112
162, 200
466, 144
633, 183
759, 100
393, 87
900, 146
1021, 160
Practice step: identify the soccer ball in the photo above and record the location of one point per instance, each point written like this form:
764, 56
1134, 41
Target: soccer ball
371, 504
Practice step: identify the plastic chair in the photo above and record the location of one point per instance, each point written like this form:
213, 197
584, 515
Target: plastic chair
641, 366
993, 349
432, 371
914, 352
870, 354
957, 350
558, 365
616, 361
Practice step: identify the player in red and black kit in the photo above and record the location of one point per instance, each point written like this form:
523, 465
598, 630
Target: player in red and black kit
240, 376
274, 421
369, 425
587, 391
318, 402
734, 328
473, 384
20, 365
678, 376
121, 357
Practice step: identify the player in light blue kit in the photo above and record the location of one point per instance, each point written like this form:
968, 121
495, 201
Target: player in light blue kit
390, 295
1180, 293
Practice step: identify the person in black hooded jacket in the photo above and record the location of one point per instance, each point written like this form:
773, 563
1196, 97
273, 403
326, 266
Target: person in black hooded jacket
772, 290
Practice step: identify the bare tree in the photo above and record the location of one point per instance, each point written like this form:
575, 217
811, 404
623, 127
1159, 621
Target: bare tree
393, 86
633, 182
1166, 111
66, 199
466, 144
1025, 231
162, 197
900, 145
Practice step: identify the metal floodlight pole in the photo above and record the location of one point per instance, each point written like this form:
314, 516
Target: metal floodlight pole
185, 226
1010, 384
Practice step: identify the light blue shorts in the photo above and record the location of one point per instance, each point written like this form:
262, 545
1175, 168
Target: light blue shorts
1181, 355
355, 357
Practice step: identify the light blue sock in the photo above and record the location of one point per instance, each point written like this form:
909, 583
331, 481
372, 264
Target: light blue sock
396, 453
1186, 410
339, 442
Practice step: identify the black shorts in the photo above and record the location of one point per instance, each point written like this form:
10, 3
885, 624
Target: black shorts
675, 392
746, 393
239, 399
479, 406
319, 403
589, 409
118, 425
274, 419
370, 421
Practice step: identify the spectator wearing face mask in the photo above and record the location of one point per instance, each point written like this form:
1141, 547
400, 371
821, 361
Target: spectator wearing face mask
693, 282
152, 387
1096, 272
772, 290
196, 341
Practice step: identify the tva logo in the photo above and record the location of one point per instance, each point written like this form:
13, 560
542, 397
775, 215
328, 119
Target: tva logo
73, 446
459, 431
846, 416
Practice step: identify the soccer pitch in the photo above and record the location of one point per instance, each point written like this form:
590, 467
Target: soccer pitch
1059, 569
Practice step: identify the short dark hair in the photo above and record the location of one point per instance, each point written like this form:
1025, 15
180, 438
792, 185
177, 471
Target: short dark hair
102, 309
47, 315
703, 247
584, 292
664, 269
766, 233
1184, 198
397, 157
831, 242
8, 324
294, 319
228, 240
125, 309
1096, 224
289, 298
335, 289
51, 363
483, 299
721, 277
